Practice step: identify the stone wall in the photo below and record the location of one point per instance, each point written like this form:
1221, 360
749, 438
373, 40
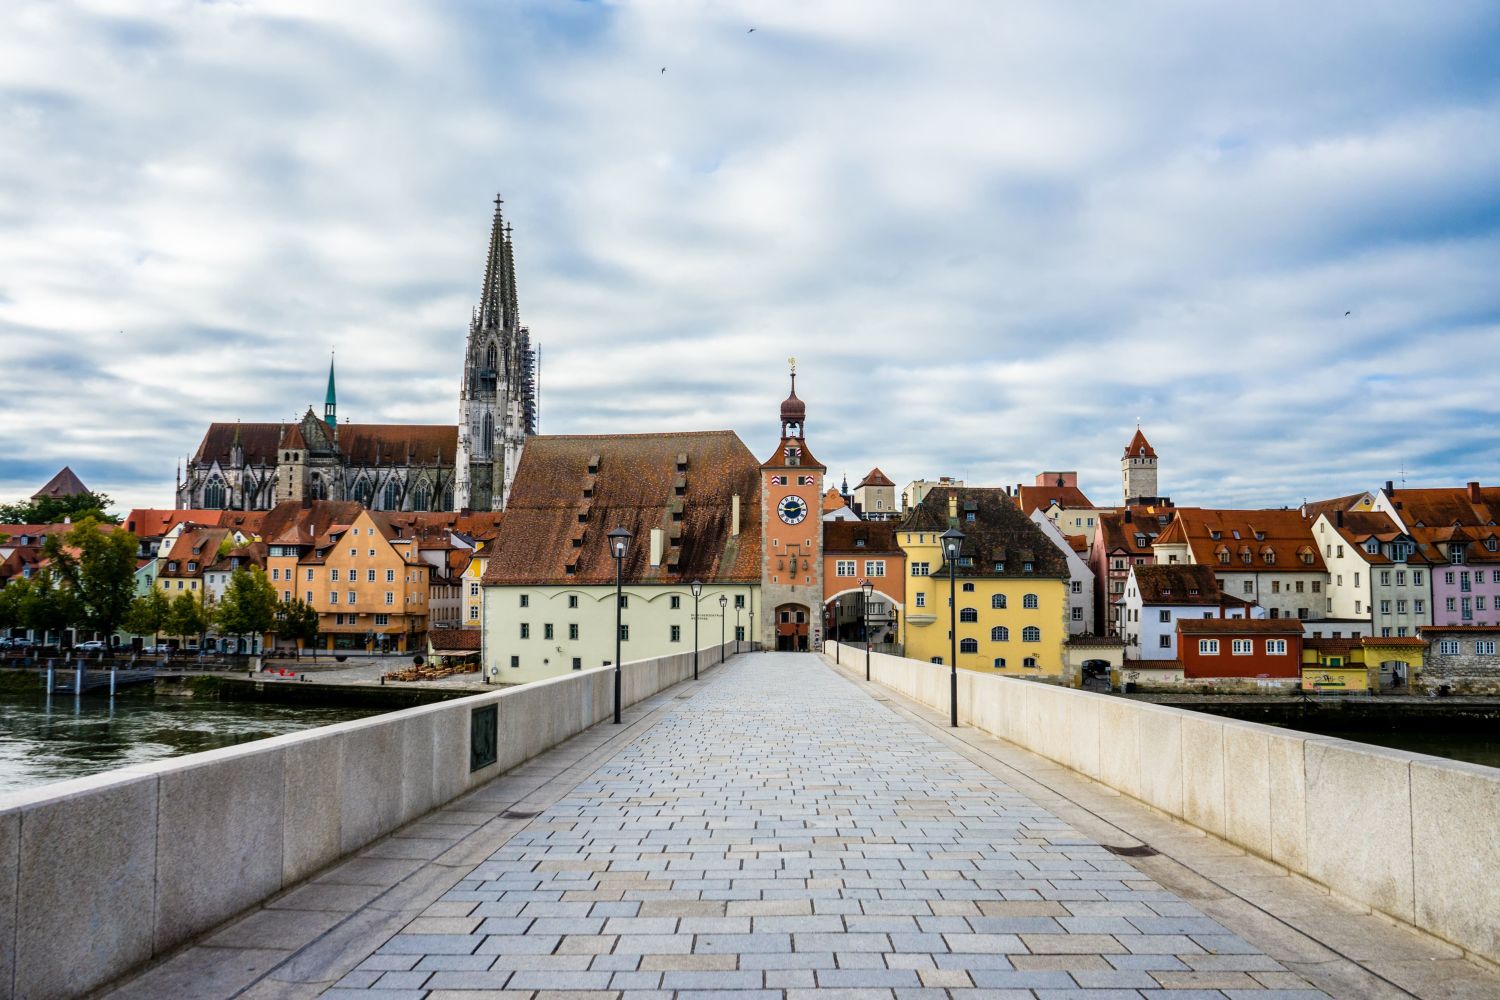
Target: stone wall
1406, 834
100, 874
1466, 672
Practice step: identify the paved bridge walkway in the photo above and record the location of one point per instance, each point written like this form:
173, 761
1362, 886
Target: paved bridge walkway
776, 829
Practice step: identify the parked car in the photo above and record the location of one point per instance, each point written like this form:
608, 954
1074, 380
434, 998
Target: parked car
92, 646
161, 649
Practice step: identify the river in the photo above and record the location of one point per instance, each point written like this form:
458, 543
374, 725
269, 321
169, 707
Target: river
70, 738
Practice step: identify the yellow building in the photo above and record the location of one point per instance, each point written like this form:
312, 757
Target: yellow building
1010, 581
473, 585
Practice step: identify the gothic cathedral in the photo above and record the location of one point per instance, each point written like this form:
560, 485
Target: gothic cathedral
398, 467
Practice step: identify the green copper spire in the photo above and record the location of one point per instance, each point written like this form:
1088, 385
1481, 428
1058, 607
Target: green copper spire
330, 404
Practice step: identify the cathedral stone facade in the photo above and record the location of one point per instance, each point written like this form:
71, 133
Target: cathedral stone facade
408, 467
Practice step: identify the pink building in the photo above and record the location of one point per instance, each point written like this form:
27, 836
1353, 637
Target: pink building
1455, 528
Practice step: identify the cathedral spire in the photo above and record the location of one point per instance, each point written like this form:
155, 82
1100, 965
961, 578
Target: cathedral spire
330, 401
493, 297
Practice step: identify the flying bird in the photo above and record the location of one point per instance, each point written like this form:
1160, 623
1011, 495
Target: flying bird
1346, 312
750, 32
664, 69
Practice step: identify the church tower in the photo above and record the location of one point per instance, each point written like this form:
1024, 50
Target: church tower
791, 574
1138, 468
497, 401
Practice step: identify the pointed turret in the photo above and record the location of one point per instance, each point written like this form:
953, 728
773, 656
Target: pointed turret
330, 401
492, 297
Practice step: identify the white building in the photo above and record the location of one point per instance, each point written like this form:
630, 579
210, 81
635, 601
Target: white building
1080, 576
1157, 596
1376, 572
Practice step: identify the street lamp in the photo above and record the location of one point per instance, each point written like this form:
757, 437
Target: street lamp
752, 621
836, 631
722, 615
697, 588
736, 629
619, 541
866, 587
953, 541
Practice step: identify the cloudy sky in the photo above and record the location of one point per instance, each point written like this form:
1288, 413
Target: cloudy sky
992, 234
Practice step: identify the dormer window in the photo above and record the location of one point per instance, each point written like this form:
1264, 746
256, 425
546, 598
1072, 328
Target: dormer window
999, 567
1026, 567
1269, 555
1491, 544
1456, 553
1215, 535
1373, 547
1140, 541
192, 567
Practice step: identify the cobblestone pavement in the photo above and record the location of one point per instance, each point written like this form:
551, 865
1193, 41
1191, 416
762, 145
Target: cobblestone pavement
782, 832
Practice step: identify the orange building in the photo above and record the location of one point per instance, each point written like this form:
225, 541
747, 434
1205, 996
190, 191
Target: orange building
370, 587
853, 552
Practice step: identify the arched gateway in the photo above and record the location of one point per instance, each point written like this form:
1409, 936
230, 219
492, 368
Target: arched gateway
791, 571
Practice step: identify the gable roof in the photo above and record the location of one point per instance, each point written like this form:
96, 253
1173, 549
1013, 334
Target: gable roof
1032, 498
833, 500
861, 536
999, 534
1278, 538
1226, 626
570, 491
360, 444
1135, 535
1178, 584
1312, 508
64, 484
875, 478
1448, 505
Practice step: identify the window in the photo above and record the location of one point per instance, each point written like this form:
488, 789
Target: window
1030, 662
624, 600
473, 613
1208, 647
1456, 554
1416, 577
1249, 587
383, 619
676, 602
309, 574
1031, 634
1076, 586
1275, 647
1317, 587
572, 600
1029, 601
525, 600
999, 663
352, 597
573, 631
921, 600
390, 598
333, 576
333, 595
275, 574
624, 633
968, 588
1401, 630
874, 567
369, 576
968, 615
309, 597
998, 602
1164, 641
1275, 586
390, 577
1452, 604
1448, 577
353, 553
1299, 586
515, 662
1484, 647
920, 569
739, 600
999, 634
525, 630
1164, 616
1385, 578
547, 631
843, 567
1077, 614
1242, 647
1385, 607
1448, 647
968, 645
675, 633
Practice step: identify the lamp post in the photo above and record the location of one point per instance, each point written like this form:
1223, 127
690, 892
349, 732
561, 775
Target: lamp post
865, 587
619, 541
723, 601
833, 630
953, 541
736, 629
697, 587
752, 622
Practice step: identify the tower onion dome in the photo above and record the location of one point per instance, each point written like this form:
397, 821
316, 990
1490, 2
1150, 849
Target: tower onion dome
793, 410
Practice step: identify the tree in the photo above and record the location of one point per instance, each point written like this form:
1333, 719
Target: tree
184, 617
99, 567
12, 604
55, 510
248, 605
45, 603
148, 614
298, 621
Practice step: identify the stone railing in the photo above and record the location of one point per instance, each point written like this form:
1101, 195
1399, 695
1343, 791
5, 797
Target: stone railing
1409, 835
100, 874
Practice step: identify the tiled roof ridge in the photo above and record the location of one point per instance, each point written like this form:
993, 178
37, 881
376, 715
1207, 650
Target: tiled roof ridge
617, 437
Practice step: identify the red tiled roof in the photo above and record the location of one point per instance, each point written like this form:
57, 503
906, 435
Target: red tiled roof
1447, 506
569, 492
833, 500
1313, 508
1289, 626
1276, 538
454, 640
1359, 526
875, 478
1032, 498
1139, 446
360, 444
999, 534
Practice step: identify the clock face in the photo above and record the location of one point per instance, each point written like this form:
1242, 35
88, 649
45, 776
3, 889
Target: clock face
792, 509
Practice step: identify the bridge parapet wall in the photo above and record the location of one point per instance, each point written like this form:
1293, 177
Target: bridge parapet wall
1413, 836
100, 874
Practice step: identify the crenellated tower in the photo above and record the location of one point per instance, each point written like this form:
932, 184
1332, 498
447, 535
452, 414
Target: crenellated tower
497, 400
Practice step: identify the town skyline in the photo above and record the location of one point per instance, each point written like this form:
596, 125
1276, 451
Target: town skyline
990, 257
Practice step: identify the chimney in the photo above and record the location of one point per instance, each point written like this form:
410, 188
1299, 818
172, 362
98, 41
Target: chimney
1127, 515
1474, 492
1338, 518
1389, 486
952, 508
734, 515
657, 537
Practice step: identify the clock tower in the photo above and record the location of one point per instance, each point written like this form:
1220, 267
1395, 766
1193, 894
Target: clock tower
791, 518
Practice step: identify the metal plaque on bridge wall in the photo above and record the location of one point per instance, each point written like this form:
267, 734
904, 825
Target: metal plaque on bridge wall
484, 737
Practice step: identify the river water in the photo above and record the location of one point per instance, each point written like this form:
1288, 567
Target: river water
42, 741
